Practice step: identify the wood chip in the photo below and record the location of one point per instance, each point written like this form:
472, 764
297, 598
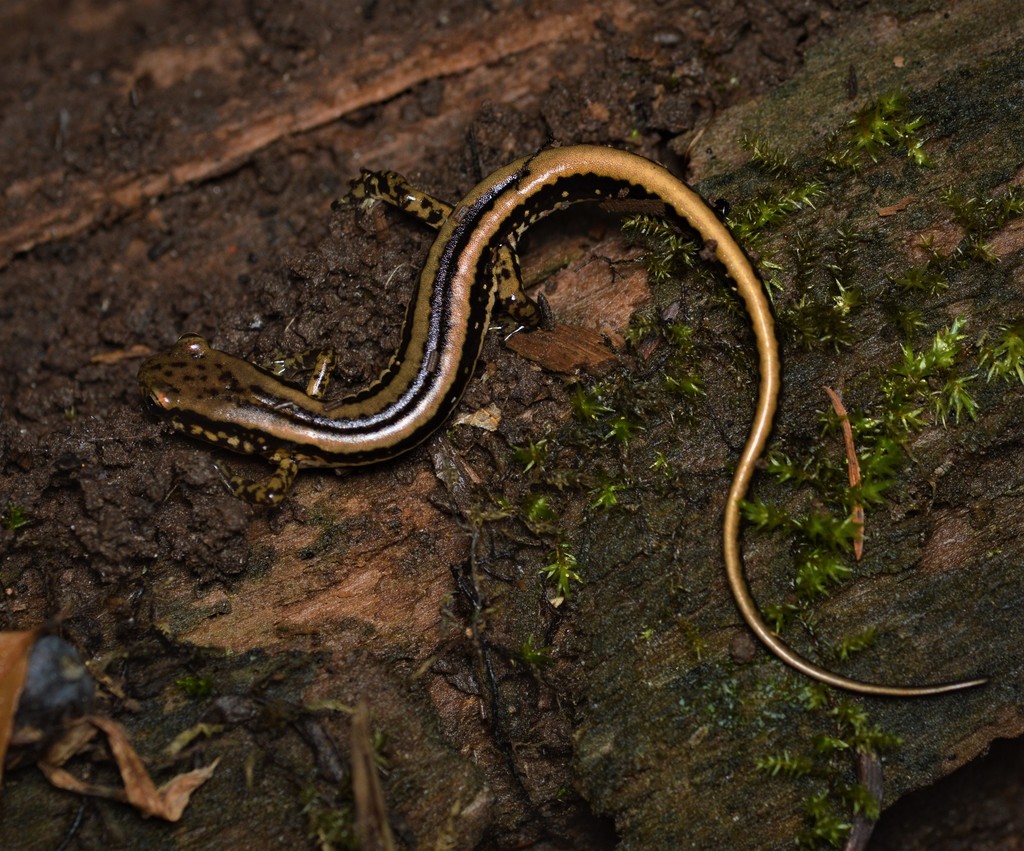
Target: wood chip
565, 349
898, 207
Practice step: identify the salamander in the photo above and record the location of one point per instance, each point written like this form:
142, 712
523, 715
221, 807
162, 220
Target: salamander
471, 268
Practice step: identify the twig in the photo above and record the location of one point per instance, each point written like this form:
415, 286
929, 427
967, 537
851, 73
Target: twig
853, 468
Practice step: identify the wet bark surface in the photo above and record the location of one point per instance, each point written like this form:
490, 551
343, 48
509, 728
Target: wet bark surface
171, 167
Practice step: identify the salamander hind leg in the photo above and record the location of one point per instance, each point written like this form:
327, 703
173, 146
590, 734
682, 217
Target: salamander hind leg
393, 189
269, 491
511, 297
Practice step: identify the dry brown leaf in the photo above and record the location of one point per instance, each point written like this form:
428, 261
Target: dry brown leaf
487, 418
168, 802
76, 737
15, 648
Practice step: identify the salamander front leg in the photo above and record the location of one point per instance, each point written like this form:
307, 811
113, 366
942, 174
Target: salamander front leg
319, 363
393, 189
269, 491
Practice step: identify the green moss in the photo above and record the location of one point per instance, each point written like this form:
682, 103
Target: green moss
826, 824
532, 455
534, 656
194, 687
605, 496
928, 376
987, 215
925, 278
669, 253
922, 379
15, 518
817, 570
330, 824
661, 464
538, 513
561, 570
785, 763
622, 428
879, 127
587, 404
1004, 359
852, 644
748, 220
832, 800
764, 153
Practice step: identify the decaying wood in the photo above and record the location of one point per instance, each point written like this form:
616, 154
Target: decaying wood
200, 202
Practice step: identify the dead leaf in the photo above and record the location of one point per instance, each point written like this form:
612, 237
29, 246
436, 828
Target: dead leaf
15, 649
71, 743
487, 418
168, 802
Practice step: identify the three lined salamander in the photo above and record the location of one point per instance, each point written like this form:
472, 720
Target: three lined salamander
472, 265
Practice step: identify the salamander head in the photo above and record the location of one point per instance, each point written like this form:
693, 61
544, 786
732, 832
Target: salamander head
172, 381
191, 383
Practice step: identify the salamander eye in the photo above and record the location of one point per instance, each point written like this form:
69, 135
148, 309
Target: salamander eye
193, 345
